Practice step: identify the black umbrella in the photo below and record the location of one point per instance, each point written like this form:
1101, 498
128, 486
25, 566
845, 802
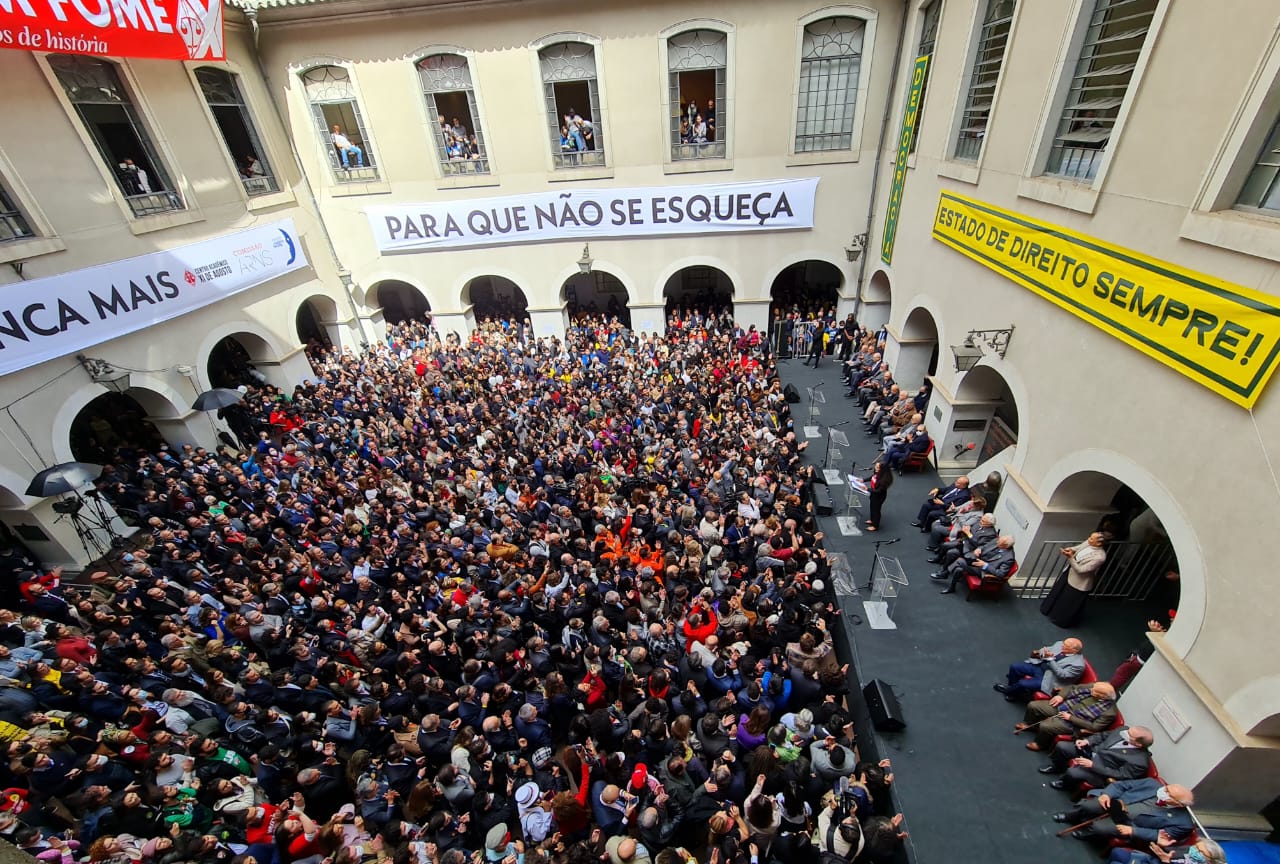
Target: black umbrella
67, 477
218, 397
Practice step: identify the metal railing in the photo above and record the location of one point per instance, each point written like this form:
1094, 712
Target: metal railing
1132, 570
705, 150
454, 167
579, 159
13, 226
260, 184
356, 175
1076, 163
150, 203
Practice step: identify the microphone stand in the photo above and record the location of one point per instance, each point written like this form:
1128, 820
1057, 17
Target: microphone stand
875, 559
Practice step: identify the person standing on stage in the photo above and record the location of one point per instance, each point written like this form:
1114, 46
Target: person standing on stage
1065, 604
881, 480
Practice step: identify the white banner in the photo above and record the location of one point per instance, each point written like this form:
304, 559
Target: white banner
584, 214
47, 318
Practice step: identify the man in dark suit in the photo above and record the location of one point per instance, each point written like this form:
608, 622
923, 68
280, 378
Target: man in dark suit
1101, 759
967, 540
940, 502
988, 561
1149, 812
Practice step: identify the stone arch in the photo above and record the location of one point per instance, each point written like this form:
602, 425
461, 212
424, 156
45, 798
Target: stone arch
316, 321
804, 281
597, 293
104, 420
701, 274
399, 300
879, 287
490, 296
917, 349
10, 497
986, 383
230, 351
1089, 476
876, 302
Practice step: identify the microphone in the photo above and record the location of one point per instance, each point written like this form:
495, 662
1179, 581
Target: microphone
894, 540
834, 425
963, 448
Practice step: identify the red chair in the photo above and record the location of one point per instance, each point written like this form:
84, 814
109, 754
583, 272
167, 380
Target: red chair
984, 585
916, 461
1087, 677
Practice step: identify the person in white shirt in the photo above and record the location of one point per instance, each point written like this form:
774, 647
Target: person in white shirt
346, 149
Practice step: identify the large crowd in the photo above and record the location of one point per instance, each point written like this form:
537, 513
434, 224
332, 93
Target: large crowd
488, 598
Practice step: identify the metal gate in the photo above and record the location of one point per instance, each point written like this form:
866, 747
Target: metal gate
1131, 571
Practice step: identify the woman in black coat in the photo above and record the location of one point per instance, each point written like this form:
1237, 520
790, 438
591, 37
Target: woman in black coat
881, 480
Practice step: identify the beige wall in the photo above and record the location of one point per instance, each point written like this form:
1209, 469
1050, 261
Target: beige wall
504, 67
1085, 400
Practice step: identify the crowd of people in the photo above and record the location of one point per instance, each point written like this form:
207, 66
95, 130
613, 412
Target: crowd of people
488, 598
697, 125
457, 142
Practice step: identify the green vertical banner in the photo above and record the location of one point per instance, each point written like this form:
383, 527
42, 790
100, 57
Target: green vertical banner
910, 113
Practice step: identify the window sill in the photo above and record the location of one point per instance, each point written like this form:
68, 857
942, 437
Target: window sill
911, 161
697, 166
1237, 230
957, 169
467, 181
1059, 192
29, 247
823, 157
273, 199
589, 172
161, 221
356, 188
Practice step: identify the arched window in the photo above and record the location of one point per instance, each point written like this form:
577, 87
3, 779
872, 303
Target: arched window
451, 106
339, 123
13, 225
830, 62
573, 104
107, 112
697, 67
226, 102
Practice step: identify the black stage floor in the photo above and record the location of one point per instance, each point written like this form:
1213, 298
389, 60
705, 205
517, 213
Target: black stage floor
968, 789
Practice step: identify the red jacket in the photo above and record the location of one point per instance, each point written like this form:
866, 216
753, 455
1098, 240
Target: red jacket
700, 634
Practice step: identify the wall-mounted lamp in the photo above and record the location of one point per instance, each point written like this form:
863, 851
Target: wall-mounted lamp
104, 373
977, 343
584, 263
854, 250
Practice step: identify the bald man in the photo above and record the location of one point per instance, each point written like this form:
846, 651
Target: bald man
1152, 813
1048, 669
1076, 710
1121, 754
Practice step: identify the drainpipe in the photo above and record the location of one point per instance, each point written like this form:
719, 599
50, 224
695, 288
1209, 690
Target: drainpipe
344, 275
875, 175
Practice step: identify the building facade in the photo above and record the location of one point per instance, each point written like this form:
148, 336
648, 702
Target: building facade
1081, 121
1085, 116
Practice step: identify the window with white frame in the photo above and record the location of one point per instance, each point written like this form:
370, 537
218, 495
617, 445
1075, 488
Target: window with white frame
572, 93
107, 112
830, 62
452, 109
336, 113
222, 93
697, 73
988, 59
1115, 33
930, 18
13, 224
1261, 189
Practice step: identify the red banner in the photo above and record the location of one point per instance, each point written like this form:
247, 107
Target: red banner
164, 29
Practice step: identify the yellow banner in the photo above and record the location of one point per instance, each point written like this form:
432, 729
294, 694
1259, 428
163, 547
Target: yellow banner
1221, 335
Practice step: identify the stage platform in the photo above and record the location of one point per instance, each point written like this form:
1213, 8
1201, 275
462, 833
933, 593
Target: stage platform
967, 787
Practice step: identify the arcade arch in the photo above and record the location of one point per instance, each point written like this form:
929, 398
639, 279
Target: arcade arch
804, 288
986, 393
232, 360
114, 420
917, 349
699, 288
594, 294
316, 322
494, 297
400, 301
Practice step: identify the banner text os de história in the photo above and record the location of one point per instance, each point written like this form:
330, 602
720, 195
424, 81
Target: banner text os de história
160, 29
1221, 335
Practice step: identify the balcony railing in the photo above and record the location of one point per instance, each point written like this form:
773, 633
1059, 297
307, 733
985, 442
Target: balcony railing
705, 150
580, 159
454, 167
356, 175
150, 203
1076, 163
1131, 572
13, 226
261, 184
